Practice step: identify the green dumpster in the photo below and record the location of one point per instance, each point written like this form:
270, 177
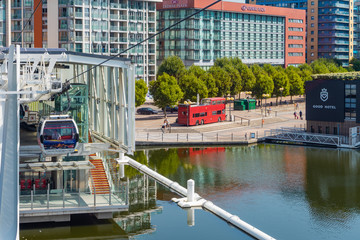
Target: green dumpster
245, 104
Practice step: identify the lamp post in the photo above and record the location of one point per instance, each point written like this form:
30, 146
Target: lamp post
281, 90
248, 93
265, 96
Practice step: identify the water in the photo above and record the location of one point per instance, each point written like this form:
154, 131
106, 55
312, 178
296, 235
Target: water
288, 192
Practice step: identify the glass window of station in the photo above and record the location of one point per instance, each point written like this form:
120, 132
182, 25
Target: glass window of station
350, 101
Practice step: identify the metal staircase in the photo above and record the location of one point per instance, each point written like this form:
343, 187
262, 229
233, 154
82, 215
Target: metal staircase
100, 183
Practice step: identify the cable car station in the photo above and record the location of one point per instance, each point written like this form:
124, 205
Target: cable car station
82, 110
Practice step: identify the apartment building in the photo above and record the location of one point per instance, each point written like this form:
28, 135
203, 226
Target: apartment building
331, 27
105, 27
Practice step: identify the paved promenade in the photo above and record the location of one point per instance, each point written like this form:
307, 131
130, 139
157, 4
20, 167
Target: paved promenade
247, 127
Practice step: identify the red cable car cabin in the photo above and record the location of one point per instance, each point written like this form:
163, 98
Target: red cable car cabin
210, 110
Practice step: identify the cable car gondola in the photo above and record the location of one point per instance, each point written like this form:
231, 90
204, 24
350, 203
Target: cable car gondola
57, 135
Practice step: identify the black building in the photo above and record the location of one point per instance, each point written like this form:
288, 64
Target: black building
332, 105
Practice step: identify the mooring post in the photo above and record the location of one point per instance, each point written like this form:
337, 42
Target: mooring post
190, 190
191, 217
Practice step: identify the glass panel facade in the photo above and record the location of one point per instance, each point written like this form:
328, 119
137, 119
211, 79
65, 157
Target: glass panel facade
350, 101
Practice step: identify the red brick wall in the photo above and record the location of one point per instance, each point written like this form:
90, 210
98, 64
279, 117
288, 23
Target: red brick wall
38, 25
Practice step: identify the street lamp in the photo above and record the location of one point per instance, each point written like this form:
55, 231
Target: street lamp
248, 93
265, 96
281, 90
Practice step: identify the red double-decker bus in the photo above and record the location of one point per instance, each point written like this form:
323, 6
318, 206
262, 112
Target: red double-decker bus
210, 110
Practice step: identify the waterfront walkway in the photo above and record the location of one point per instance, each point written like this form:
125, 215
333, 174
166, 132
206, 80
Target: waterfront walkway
248, 127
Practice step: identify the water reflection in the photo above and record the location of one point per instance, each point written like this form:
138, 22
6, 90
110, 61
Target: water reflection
289, 192
293, 180
333, 183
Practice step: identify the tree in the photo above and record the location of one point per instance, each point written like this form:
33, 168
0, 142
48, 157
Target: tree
210, 83
222, 80
165, 91
319, 67
296, 84
140, 92
196, 70
235, 78
264, 85
271, 71
257, 70
355, 64
222, 62
173, 66
281, 85
191, 86
247, 77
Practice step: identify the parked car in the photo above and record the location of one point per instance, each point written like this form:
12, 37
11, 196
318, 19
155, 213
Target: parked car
171, 108
146, 111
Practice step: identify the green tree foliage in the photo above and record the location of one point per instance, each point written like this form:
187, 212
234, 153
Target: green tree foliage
140, 92
247, 77
257, 70
271, 71
209, 81
235, 78
296, 83
355, 64
281, 85
196, 70
222, 80
165, 91
264, 85
319, 66
173, 66
222, 62
191, 86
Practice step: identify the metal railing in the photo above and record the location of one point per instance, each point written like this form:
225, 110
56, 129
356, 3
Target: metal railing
198, 137
299, 135
59, 198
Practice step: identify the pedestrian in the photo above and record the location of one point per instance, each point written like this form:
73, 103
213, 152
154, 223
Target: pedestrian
297, 106
262, 122
295, 115
269, 111
300, 114
245, 136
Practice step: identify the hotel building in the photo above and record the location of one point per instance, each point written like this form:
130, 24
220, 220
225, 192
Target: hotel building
255, 34
104, 27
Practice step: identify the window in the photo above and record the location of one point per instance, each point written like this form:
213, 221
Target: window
295, 29
292, 20
312, 18
295, 54
312, 25
312, 32
312, 47
327, 130
312, 3
296, 37
295, 45
312, 10
350, 101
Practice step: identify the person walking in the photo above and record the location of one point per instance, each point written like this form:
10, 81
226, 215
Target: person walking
300, 114
295, 115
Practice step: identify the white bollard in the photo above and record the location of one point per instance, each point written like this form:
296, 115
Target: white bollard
122, 171
191, 217
190, 190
